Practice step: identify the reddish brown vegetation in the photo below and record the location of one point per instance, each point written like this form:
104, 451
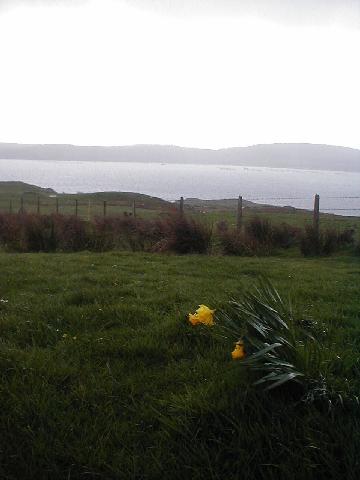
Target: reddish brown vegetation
173, 233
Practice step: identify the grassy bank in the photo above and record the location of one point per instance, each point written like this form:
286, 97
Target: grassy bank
91, 205
103, 376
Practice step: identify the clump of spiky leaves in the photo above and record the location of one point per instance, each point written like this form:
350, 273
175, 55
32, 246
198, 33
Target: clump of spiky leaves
277, 350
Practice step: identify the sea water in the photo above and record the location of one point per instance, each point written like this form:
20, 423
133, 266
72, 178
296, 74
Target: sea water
274, 186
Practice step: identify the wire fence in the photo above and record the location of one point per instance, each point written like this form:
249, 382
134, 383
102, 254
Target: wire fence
296, 198
349, 208
80, 206
30, 202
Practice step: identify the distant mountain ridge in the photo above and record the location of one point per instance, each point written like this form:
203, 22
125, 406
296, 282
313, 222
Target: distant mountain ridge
278, 155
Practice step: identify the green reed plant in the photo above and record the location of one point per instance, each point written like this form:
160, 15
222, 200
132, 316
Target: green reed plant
278, 348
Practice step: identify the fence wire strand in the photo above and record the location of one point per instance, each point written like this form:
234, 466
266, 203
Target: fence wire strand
123, 203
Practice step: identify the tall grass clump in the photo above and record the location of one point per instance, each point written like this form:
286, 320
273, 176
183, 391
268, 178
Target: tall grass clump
325, 242
72, 234
357, 247
236, 243
43, 233
185, 235
260, 231
259, 237
10, 232
285, 235
125, 233
27, 233
37, 233
277, 348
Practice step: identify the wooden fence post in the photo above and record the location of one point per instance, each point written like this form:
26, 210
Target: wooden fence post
134, 208
316, 215
239, 214
89, 210
57, 206
76, 208
105, 208
181, 205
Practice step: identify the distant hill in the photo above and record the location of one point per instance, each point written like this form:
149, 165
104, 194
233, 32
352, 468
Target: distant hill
16, 189
281, 155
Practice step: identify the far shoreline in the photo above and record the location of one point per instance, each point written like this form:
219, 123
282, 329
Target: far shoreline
219, 165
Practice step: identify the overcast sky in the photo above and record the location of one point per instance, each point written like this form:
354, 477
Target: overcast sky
200, 73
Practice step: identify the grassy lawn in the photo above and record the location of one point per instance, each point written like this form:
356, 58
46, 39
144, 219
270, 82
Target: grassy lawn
103, 377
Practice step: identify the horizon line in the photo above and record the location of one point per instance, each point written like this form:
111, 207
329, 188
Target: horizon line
178, 146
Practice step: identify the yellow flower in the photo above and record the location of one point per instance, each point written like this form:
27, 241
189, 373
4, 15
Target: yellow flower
239, 352
202, 315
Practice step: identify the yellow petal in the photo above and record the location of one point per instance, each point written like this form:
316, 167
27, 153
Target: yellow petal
202, 315
205, 315
205, 309
193, 319
238, 353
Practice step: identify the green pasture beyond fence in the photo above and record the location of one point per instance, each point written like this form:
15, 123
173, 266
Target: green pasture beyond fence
87, 208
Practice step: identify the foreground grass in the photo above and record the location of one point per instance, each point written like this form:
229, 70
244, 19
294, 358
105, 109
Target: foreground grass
102, 377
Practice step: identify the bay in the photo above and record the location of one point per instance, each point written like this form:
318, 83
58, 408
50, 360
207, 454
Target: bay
275, 186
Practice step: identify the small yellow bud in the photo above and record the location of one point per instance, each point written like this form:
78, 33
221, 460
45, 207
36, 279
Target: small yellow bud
239, 352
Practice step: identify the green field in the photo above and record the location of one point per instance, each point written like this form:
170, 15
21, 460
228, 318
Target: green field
18, 196
90, 205
103, 377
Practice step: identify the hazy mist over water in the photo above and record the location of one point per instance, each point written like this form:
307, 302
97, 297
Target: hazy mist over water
275, 186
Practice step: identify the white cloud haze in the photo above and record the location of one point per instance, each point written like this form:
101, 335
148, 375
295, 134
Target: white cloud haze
35, 3
115, 72
293, 11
